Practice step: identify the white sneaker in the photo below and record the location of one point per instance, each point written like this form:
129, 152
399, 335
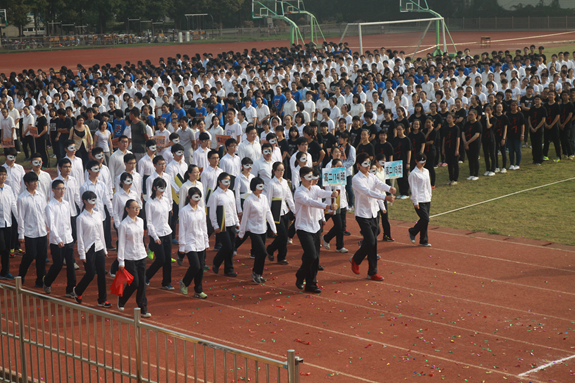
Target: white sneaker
342, 250
490, 174
516, 167
512, 167
486, 174
290, 241
453, 183
324, 243
469, 178
497, 170
503, 171
474, 178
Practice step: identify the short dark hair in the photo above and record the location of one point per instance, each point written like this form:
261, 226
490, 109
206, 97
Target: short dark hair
30, 177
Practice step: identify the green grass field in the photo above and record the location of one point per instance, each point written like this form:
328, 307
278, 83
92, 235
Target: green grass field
544, 214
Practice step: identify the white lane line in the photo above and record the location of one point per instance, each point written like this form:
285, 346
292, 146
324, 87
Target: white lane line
553, 363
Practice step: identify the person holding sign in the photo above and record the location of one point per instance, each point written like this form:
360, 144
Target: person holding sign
420, 185
367, 190
281, 203
336, 216
256, 213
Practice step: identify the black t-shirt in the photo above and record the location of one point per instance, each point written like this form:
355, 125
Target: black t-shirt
189, 104
66, 123
552, 111
470, 129
372, 129
138, 139
500, 124
355, 136
401, 147
366, 148
405, 124
432, 140
329, 141
417, 139
536, 115
488, 132
514, 127
461, 113
283, 145
451, 136
565, 109
386, 149
41, 122
421, 120
528, 102
292, 146
478, 109
314, 149
389, 128
269, 95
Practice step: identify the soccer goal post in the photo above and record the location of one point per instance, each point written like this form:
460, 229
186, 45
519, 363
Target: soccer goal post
408, 35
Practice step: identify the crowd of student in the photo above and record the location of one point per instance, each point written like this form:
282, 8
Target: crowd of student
234, 145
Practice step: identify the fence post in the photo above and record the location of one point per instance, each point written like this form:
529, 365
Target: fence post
20, 308
138, 338
291, 366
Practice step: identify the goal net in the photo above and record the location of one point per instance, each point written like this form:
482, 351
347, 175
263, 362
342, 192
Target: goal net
417, 37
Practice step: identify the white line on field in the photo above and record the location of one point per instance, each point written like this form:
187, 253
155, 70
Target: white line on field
546, 365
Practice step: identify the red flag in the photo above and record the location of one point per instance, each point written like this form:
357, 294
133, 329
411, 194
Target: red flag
122, 276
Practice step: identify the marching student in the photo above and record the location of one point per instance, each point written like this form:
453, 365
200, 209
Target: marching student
380, 174
44, 179
223, 199
104, 176
137, 180
8, 204
191, 177
201, 154
132, 256
58, 217
337, 229
308, 229
256, 213
368, 189
160, 172
402, 152
211, 173
91, 248
14, 173
146, 164
420, 185
93, 183
278, 189
116, 161
230, 162
158, 208
176, 169
263, 166
71, 192
167, 151
193, 241
77, 164
31, 206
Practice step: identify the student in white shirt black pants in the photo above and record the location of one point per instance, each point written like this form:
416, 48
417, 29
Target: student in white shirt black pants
132, 256
420, 185
8, 203
193, 241
91, 249
32, 232
367, 189
256, 212
222, 196
58, 216
158, 209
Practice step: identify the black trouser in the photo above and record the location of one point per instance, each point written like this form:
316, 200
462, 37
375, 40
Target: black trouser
503, 150
36, 249
5, 236
452, 166
259, 251
368, 229
162, 259
565, 143
196, 270
280, 241
59, 254
430, 165
291, 228
385, 221
490, 156
83, 154
174, 217
14, 244
310, 257
421, 225
349, 191
336, 230
461, 151
28, 145
225, 254
551, 135
403, 183
95, 263
41, 149
344, 219
108, 229
473, 158
55, 146
536, 142
138, 271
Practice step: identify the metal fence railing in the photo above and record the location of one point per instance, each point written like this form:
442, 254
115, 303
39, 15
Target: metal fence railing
47, 339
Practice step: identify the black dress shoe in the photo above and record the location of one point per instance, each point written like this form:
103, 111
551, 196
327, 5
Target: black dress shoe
320, 267
283, 262
299, 283
270, 256
312, 289
346, 233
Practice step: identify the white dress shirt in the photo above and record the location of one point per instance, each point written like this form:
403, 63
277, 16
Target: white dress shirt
201, 158
231, 165
14, 179
228, 201
184, 193
256, 213
420, 185
31, 209
146, 166
210, 178
157, 217
104, 176
242, 189
7, 206
137, 184
193, 235
116, 163
280, 189
167, 194
77, 169
119, 204
173, 169
44, 184
263, 169
103, 198
368, 189
58, 217
293, 161
249, 149
90, 232
71, 194
305, 204
130, 240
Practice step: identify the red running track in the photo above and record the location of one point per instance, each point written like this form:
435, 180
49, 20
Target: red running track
407, 41
473, 307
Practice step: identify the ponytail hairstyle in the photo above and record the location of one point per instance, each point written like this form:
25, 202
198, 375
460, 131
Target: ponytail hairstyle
222, 176
158, 183
88, 194
126, 207
125, 176
190, 169
193, 190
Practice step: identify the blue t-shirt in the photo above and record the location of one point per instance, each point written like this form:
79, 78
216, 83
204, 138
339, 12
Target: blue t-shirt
119, 126
201, 112
167, 117
182, 113
279, 101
